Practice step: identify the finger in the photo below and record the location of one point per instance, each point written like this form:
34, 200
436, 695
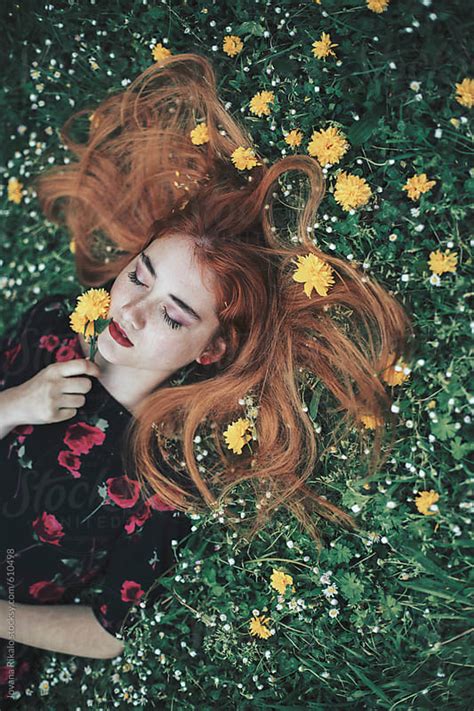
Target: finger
73, 385
70, 401
65, 413
78, 366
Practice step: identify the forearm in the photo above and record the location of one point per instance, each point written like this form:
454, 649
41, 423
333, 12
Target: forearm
9, 416
70, 629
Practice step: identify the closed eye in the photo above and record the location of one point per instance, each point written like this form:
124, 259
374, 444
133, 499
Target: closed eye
171, 322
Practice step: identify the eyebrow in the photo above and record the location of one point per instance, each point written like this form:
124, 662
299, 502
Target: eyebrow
148, 263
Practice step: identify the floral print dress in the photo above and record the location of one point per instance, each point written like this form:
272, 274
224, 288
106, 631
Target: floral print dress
69, 515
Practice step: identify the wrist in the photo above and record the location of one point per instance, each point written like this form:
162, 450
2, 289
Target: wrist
10, 410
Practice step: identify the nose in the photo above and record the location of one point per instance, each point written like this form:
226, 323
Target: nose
133, 318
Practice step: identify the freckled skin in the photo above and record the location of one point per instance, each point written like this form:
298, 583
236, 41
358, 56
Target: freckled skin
159, 350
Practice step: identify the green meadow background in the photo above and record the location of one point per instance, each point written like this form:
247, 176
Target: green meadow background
380, 619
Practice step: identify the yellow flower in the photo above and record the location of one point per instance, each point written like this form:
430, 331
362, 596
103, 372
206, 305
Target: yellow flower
417, 185
315, 273
455, 122
159, 52
377, 5
322, 48
440, 263
258, 628
236, 435
431, 405
394, 373
294, 138
370, 422
244, 158
280, 580
95, 120
259, 103
232, 45
351, 191
72, 246
424, 500
465, 92
93, 304
14, 190
328, 145
80, 324
200, 135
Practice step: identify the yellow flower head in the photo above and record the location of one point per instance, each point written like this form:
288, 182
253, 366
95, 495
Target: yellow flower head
80, 324
236, 435
425, 500
258, 627
159, 52
232, 45
280, 580
377, 5
440, 263
322, 48
465, 92
72, 246
351, 191
244, 158
259, 103
93, 304
370, 422
294, 138
14, 190
394, 373
200, 135
94, 120
328, 145
417, 185
315, 273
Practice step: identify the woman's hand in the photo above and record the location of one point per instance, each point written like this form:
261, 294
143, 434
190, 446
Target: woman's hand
55, 393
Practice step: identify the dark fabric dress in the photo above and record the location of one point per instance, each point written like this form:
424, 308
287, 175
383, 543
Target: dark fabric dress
69, 516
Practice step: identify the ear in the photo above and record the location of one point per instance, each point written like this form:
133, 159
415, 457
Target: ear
213, 352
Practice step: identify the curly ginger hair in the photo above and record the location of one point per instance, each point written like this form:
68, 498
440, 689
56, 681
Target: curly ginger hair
139, 177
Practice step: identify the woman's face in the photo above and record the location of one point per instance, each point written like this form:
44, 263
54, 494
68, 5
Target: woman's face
154, 306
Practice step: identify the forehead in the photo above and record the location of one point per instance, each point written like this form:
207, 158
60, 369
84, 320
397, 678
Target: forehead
174, 261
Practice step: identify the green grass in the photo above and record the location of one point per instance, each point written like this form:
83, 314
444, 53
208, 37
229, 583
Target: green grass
402, 635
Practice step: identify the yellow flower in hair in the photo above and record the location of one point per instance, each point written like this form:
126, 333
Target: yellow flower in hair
465, 92
259, 103
425, 500
440, 263
14, 190
236, 435
328, 145
370, 422
279, 581
377, 5
417, 185
351, 191
294, 138
322, 48
244, 158
258, 627
315, 273
232, 45
395, 373
200, 135
159, 52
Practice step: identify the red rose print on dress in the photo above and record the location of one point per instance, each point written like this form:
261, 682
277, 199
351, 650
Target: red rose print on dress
46, 591
48, 528
138, 517
159, 505
103, 609
81, 437
10, 355
123, 491
131, 591
49, 342
22, 430
70, 461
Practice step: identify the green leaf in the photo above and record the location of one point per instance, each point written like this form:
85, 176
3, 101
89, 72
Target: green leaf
460, 449
361, 130
443, 429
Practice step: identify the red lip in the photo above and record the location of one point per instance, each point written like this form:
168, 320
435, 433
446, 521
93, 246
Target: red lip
119, 335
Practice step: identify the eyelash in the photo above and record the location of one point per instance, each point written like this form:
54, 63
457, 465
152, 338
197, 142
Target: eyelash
171, 322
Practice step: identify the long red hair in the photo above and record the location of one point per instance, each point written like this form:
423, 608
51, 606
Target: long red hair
139, 177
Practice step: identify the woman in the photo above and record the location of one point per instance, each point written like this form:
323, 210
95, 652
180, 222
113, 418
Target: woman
212, 296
